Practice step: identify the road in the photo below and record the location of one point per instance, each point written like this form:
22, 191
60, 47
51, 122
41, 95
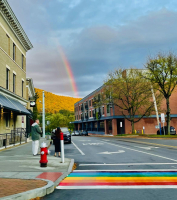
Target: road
113, 168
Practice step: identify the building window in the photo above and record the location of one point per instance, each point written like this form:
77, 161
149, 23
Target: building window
8, 45
90, 113
102, 110
7, 78
22, 61
14, 82
108, 109
89, 102
98, 97
14, 51
22, 87
7, 120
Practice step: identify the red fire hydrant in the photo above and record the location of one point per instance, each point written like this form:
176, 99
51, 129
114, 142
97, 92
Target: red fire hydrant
44, 153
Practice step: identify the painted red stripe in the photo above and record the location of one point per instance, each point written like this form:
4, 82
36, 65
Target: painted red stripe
52, 176
114, 184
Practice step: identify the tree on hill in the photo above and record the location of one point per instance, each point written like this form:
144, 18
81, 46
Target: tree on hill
163, 75
130, 93
60, 119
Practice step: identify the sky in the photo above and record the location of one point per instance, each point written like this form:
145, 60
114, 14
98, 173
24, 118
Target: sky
97, 37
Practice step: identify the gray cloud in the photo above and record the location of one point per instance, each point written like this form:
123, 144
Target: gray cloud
96, 36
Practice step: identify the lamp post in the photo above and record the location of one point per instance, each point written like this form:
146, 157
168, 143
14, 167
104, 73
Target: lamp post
43, 114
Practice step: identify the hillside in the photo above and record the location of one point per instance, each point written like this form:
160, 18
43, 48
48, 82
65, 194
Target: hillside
54, 103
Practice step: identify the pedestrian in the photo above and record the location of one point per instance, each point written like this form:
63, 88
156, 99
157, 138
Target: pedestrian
57, 141
53, 136
35, 134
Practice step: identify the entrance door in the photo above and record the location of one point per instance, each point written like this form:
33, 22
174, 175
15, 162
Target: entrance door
120, 126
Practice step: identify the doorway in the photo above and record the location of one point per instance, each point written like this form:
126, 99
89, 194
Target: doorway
120, 126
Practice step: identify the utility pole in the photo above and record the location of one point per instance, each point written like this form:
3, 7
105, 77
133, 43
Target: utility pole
155, 105
43, 114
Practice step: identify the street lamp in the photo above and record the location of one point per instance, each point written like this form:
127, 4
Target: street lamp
43, 114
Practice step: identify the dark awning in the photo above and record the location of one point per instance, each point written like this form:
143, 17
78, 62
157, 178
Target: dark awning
12, 104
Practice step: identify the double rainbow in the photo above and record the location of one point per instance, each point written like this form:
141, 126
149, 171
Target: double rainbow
121, 178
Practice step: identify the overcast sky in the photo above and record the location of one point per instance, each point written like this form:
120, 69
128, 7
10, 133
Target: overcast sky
97, 37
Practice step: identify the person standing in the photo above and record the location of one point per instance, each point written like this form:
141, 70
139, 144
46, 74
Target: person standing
57, 141
35, 133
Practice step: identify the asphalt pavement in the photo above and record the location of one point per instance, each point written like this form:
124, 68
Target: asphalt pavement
101, 162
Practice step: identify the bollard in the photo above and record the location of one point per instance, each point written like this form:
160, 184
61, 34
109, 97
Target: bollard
44, 152
62, 147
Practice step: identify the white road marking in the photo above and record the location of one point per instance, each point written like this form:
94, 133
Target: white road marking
106, 140
117, 187
128, 164
141, 151
127, 170
95, 144
78, 148
147, 148
84, 140
106, 152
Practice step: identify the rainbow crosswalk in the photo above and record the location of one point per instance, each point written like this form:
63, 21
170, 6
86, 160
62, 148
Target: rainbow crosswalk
119, 179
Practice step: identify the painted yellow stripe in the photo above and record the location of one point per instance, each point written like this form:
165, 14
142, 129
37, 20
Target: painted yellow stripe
121, 178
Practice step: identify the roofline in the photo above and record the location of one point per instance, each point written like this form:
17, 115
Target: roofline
90, 94
9, 15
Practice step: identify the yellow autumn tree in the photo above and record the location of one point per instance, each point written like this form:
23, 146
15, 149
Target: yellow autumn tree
54, 103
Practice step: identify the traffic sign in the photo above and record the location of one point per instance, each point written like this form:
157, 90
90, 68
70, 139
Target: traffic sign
162, 117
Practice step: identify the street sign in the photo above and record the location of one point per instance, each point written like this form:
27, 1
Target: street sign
162, 117
120, 124
32, 103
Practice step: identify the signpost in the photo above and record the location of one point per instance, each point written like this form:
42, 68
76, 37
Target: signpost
163, 121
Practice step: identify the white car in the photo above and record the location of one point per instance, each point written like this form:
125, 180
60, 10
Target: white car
75, 133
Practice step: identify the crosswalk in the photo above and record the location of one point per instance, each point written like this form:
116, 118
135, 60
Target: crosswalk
79, 179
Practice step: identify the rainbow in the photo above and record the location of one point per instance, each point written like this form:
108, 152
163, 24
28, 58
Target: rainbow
69, 71
121, 179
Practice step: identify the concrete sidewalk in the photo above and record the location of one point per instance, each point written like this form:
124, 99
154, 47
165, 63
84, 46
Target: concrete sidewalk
19, 163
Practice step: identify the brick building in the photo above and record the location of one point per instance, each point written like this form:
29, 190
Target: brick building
14, 44
108, 119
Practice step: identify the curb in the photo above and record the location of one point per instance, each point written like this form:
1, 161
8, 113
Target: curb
65, 174
31, 194
71, 166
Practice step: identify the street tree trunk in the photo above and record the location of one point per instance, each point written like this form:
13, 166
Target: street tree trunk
168, 115
132, 124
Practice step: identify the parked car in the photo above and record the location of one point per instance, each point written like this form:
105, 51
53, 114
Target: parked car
172, 131
66, 134
74, 133
84, 132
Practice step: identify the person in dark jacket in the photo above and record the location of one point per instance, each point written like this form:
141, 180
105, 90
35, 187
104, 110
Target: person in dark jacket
35, 135
57, 141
